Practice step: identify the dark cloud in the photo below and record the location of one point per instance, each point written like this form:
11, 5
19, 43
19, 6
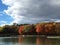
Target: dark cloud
41, 9
37, 10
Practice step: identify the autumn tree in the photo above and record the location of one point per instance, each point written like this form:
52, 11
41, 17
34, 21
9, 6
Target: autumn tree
29, 29
40, 29
57, 28
50, 28
21, 28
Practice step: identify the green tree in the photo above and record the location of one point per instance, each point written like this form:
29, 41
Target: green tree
10, 29
29, 29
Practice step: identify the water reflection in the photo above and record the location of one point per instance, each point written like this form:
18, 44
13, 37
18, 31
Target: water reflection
40, 41
8, 41
27, 40
52, 41
20, 40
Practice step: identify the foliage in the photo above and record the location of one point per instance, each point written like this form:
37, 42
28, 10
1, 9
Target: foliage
20, 31
57, 28
40, 29
29, 29
49, 28
9, 29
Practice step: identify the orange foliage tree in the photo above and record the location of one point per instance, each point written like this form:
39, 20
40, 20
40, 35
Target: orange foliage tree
39, 28
49, 28
57, 28
20, 31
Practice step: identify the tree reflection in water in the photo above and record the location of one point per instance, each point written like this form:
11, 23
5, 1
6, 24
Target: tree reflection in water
40, 41
31, 40
27, 40
37, 41
52, 41
20, 40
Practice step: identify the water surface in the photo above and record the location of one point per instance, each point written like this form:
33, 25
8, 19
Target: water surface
27, 40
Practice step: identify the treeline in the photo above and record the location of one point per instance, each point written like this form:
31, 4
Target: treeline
9, 30
50, 28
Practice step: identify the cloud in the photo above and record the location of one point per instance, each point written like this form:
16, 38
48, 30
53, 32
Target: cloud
1, 13
57, 20
33, 11
2, 23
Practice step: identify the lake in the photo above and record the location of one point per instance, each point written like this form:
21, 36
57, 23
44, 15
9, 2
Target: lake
29, 40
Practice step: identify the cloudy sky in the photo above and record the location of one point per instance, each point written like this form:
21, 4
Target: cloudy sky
29, 11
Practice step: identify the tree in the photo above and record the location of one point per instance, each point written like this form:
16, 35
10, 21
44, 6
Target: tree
20, 31
57, 29
50, 29
39, 29
10, 29
29, 29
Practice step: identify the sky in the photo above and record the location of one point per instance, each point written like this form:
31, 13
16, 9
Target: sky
29, 11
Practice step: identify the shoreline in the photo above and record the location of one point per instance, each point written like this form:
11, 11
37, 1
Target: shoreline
44, 36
